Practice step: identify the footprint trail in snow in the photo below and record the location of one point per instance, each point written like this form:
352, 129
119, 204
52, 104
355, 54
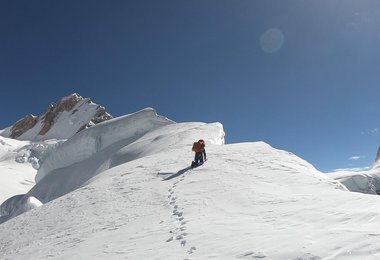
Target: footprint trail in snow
178, 233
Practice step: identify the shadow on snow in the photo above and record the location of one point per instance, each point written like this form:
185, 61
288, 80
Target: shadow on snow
180, 172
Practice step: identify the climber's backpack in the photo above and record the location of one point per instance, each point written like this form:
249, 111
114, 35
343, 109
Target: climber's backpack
197, 147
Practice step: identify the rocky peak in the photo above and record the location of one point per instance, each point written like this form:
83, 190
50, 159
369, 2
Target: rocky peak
65, 104
23, 125
61, 120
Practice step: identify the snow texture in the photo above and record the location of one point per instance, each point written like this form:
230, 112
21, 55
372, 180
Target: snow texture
364, 181
19, 161
119, 132
107, 145
140, 200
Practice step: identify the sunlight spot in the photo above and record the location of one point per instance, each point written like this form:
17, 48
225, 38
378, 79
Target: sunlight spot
272, 40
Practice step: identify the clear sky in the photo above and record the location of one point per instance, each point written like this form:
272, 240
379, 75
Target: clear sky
300, 75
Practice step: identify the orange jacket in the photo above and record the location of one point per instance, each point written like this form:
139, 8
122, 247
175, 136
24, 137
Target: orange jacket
197, 147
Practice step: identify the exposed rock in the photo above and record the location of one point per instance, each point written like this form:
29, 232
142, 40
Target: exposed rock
83, 113
48, 119
66, 104
23, 125
100, 116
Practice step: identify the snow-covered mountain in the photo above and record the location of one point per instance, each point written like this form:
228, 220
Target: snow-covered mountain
123, 190
60, 121
364, 181
24, 143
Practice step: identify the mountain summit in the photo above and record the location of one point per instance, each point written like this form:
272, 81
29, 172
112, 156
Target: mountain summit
61, 120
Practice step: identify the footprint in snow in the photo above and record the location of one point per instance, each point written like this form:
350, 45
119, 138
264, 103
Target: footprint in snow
308, 257
176, 212
181, 236
191, 250
252, 254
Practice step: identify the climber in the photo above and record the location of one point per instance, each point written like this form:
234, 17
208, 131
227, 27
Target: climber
200, 153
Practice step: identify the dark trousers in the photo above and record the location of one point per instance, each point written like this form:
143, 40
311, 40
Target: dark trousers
204, 155
198, 159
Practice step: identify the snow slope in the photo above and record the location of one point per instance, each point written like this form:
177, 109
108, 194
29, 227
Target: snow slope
104, 146
117, 132
248, 201
19, 161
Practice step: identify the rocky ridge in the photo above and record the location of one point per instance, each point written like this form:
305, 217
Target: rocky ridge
71, 114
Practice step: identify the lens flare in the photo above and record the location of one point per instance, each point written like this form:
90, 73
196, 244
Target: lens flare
272, 40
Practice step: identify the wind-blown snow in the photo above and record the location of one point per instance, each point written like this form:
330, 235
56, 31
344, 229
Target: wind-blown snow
248, 201
364, 181
24, 204
107, 145
121, 131
139, 200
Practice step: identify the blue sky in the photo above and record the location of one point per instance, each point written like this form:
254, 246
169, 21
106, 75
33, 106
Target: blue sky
315, 91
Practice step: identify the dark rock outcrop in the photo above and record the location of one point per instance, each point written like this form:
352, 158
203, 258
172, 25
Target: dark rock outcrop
50, 117
23, 125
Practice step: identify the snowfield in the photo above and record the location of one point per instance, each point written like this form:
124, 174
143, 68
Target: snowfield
19, 161
17, 174
132, 196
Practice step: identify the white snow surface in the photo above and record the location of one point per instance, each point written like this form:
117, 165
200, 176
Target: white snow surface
104, 146
19, 161
117, 132
364, 181
133, 197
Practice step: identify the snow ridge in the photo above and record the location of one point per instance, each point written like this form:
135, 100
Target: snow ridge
70, 165
122, 190
363, 180
95, 139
